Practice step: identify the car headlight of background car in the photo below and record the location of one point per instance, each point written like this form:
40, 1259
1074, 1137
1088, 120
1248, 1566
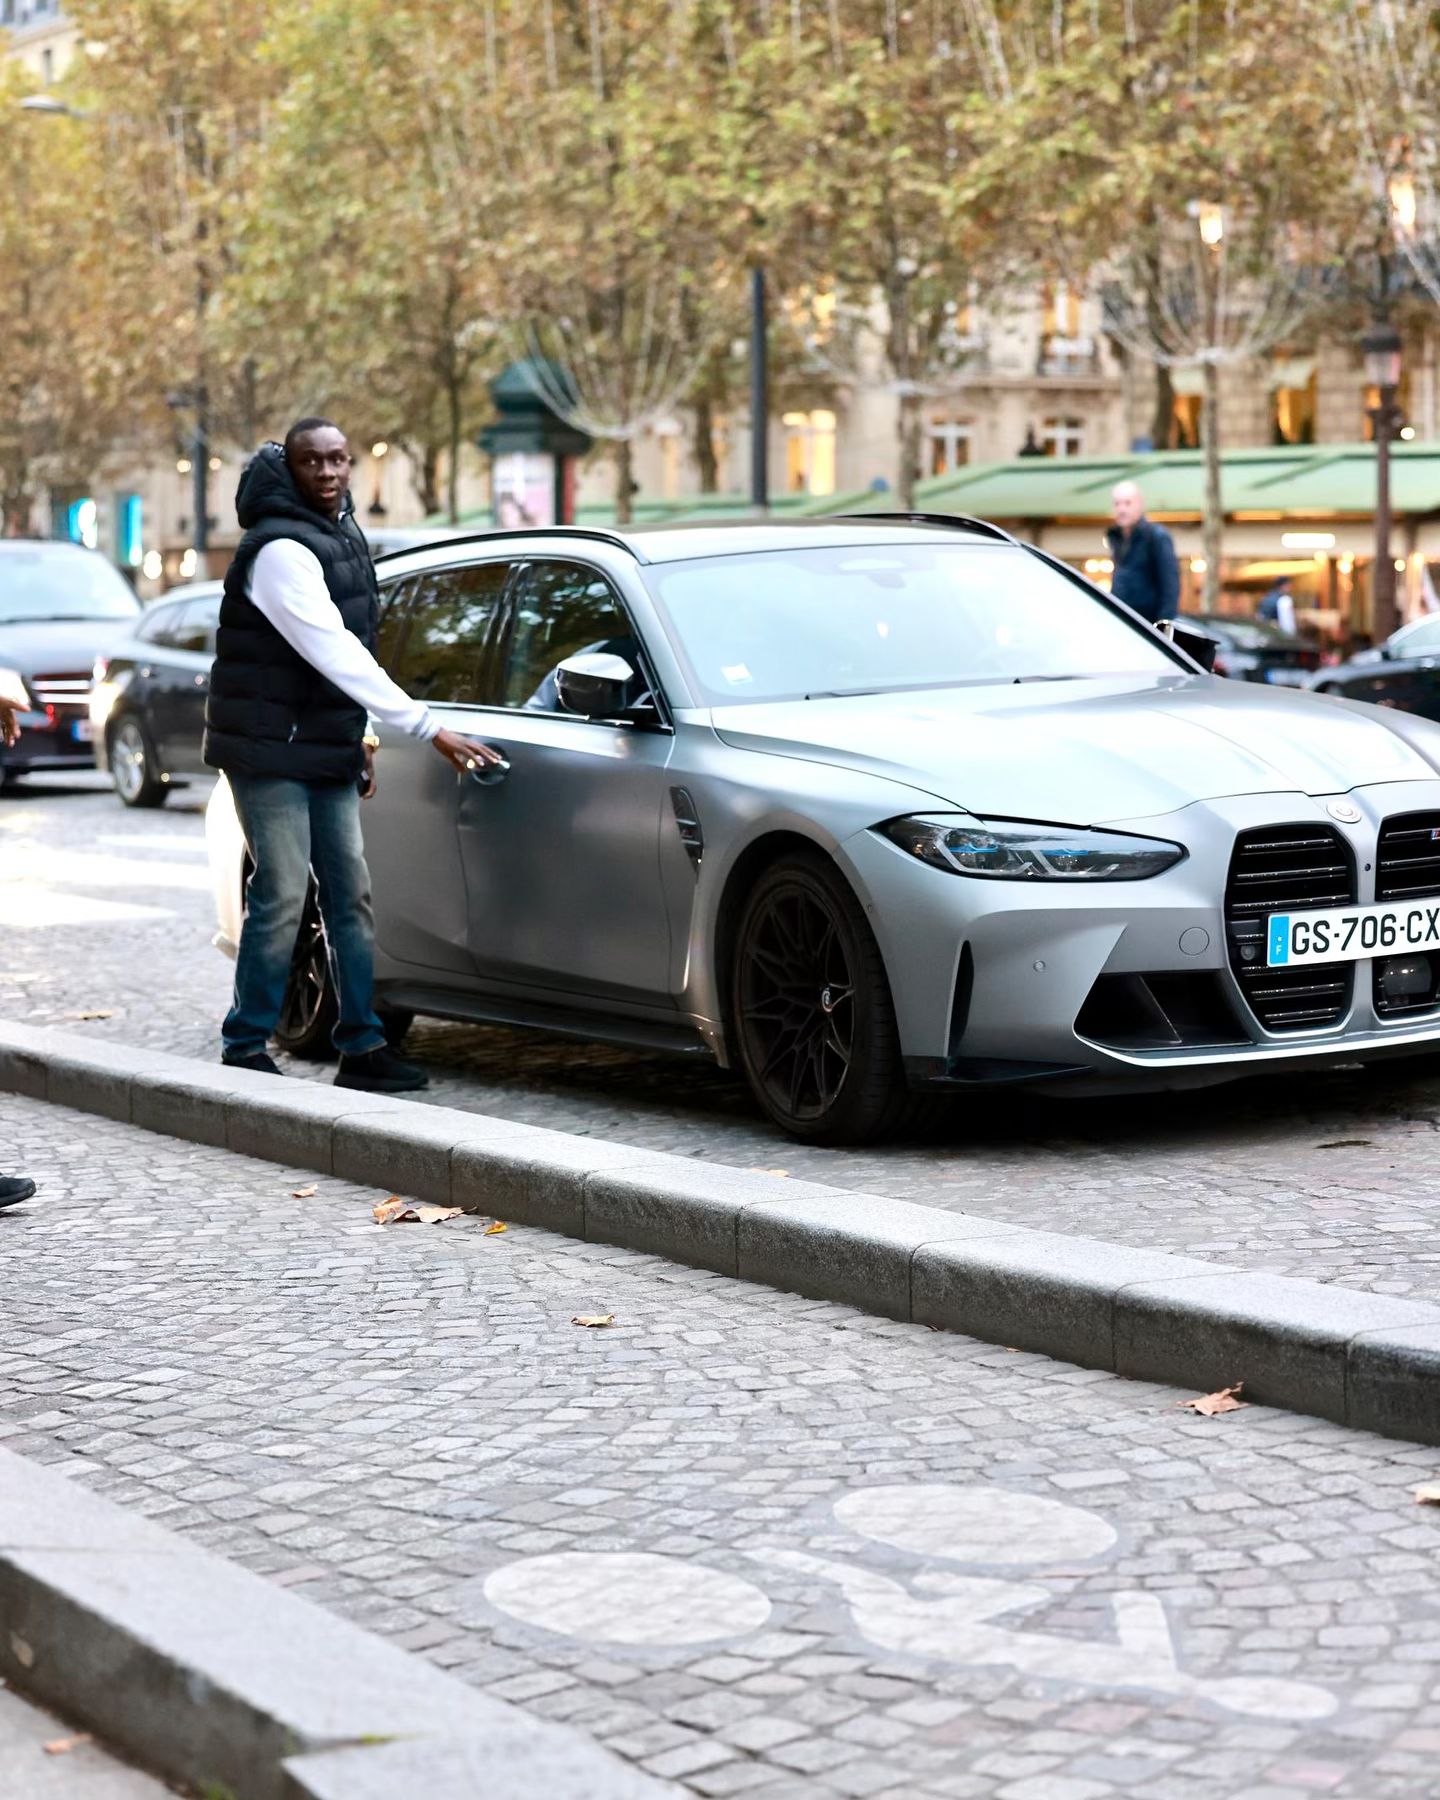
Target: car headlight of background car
1013, 850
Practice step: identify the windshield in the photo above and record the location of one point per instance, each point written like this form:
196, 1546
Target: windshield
870, 618
58, 582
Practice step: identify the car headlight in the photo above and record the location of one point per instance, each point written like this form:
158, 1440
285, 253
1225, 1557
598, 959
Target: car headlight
1010, 850
13, 691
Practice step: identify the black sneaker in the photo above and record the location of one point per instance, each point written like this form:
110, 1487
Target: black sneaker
14, 1189
381, 1072
259, 1064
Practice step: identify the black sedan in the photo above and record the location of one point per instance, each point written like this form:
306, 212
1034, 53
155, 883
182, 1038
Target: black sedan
147, 707
1254, 650
1403, 672
59, 605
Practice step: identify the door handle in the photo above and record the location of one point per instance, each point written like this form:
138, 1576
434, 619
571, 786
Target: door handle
489, 774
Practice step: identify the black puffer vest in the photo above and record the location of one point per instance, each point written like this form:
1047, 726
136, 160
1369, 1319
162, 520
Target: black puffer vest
269, 712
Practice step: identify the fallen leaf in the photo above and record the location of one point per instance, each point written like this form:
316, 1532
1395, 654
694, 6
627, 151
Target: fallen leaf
499, 1225
1348, 1144
593, 1319
1428, 1493
304, 1193
21, 1651
61, 1746
1224, 1401
396, 1211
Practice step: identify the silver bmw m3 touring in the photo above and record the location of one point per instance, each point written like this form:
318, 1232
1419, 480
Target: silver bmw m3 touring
871, 808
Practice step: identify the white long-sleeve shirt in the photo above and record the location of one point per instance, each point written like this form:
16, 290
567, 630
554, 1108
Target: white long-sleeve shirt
287, 584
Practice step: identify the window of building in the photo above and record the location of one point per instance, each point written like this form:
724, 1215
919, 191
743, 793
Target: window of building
810, 452
1062, 310
1185, 414
1063, 437
667, 436
1293, 400
949, 444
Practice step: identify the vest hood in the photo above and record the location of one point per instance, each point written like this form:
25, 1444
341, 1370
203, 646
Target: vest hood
267, 490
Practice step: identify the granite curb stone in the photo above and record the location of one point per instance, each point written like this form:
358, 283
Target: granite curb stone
1371, 1361
209, 1675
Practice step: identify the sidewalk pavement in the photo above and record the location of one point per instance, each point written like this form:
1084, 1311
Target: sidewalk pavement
76, 1768
753, 1544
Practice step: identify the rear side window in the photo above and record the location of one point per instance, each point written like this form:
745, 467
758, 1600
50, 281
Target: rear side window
158, 623
437, 634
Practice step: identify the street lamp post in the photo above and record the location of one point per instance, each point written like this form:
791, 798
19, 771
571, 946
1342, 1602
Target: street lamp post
759, 395
1381, 348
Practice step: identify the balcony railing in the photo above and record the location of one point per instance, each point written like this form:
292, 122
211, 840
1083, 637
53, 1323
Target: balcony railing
1062, 355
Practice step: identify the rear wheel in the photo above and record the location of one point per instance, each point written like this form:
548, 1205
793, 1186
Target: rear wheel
310, 1007
814, 1023
133, 768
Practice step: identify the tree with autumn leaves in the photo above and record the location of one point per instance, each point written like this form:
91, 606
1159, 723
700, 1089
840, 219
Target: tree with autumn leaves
370, 206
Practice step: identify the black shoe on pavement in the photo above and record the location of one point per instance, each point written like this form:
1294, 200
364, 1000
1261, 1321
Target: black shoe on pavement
14, 1189
381, 1072
259, 1064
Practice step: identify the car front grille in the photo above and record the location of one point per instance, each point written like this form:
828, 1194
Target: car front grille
69, 690
1407, 867
1287, 868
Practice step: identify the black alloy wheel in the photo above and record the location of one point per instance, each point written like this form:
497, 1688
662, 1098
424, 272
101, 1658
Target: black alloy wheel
814, 1023
310, 1008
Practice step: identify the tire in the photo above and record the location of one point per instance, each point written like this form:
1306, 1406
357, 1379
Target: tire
813, 1021
134, 770
310, 1008
9, 778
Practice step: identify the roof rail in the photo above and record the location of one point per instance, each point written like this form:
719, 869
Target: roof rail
588, 532
959, 521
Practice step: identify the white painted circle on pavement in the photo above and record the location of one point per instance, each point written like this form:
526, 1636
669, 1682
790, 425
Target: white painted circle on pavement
627, 1598
975, 1524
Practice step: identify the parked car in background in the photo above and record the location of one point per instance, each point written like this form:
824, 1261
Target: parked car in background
147, 703
868, 809
1403, 672
1255, 650
59, 606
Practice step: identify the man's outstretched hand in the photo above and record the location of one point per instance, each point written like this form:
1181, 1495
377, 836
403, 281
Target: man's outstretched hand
463, 753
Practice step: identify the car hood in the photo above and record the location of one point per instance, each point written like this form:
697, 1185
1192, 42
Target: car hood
1087, 751
58, 646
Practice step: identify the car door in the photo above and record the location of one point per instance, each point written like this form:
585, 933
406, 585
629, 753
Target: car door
177, 680
562, 855
189, 657
437, 638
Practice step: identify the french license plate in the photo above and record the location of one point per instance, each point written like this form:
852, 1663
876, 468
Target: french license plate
1351, 933
80, 731
1286, 677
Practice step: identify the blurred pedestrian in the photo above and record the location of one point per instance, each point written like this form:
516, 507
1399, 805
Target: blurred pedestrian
293, 680
1278, 606
1146, 577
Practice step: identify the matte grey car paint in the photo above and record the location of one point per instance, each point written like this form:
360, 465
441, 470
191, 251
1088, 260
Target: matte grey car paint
567, 886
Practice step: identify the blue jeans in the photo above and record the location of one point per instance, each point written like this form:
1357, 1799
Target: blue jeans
292, 827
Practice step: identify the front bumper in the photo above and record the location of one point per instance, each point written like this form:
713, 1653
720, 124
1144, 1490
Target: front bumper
51, 741
991, 979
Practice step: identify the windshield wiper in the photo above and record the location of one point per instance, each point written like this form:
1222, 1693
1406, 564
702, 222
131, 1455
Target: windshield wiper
57, 619
842, 693
1019, 678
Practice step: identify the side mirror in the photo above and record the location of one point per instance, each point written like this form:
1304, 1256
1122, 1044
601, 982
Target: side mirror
1199, 646
596, 684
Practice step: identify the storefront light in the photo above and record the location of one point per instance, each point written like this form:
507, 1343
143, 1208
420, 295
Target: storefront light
153, 566
1198, 565
1308, 540
1407, 433
182, 467
1400, 564
188, 565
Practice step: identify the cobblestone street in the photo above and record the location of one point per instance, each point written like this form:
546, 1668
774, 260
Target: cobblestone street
755, 1544
1331, 1177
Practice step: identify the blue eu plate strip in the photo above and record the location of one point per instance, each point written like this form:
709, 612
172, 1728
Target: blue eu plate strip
1279, 939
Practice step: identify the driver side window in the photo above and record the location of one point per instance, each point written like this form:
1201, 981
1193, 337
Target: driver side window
560, 610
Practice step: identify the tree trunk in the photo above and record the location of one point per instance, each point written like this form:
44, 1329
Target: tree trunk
1162, 420
16, 506
705, 445
624, 481
1214, 526
910, 463
453, 420
426, 476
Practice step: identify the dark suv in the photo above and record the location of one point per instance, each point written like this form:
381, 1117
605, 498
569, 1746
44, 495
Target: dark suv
147, 708
60, 607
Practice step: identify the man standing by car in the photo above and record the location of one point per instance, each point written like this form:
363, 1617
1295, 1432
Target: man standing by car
1147, 577
293, 681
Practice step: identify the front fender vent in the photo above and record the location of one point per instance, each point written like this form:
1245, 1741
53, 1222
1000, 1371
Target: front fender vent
687, 823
